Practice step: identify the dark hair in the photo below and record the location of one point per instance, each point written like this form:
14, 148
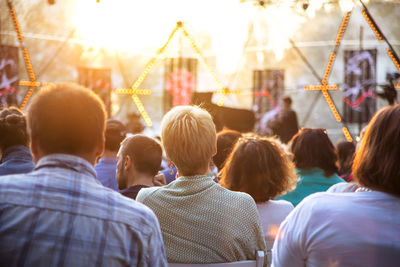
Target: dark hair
376, 164
115, 134
345, 152
226, 140
145, 153
66, 118
312, 148
287, 100
258, 167
13, 129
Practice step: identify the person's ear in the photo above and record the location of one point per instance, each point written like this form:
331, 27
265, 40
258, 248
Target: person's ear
100, 148
127, 163
35, 151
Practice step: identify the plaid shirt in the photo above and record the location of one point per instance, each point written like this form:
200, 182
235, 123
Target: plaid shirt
60, 215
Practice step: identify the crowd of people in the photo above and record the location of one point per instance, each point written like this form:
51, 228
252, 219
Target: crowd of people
77, 189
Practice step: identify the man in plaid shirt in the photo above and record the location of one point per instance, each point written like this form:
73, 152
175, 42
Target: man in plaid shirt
60, 214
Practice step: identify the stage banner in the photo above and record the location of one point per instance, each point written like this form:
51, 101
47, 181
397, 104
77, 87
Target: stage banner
9, 77
359, 85
180, 81
98, 80
268, 87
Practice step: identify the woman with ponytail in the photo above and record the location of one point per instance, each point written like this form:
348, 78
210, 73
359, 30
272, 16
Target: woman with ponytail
14, 142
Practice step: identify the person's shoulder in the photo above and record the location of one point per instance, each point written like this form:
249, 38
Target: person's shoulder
16, 179
343, 187
323, 201
132, 209
316, 197
283, 204
145, 192
241, 200
241, 196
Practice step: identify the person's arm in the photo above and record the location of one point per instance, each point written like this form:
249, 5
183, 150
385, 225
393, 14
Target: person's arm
256, 241
155, 247
289, 245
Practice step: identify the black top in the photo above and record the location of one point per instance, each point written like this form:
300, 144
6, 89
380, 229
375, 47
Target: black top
132, 191
285, 125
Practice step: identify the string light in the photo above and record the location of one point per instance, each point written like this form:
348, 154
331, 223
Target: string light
347, 134
324, 87
134, 91
142, 111
320, 87
126, 91
33, 84
210, 70
229, 92
371, 24
379, 35
25, 53
342, 28
393, 58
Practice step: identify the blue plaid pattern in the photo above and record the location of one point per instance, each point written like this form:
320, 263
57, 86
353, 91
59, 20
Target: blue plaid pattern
60, 215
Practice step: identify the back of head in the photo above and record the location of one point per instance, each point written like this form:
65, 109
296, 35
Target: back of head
345, 153
115, 134
66, 118
189, 138
287, 100
226, 140
258, 167
376, 164
145, 152
312, 148
13, 129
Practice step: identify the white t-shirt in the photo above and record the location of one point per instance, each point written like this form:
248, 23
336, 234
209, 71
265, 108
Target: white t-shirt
272, 213
343, 187
341, 229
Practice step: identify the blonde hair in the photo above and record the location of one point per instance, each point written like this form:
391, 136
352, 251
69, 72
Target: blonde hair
189, 138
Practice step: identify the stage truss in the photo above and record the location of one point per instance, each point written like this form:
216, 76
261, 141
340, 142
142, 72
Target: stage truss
134, 90
324, 87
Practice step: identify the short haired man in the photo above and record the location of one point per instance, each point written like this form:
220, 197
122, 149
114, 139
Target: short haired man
107, 165
201, 221
139, 160
60, 214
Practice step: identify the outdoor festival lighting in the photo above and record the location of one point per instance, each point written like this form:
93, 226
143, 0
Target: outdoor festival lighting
390, 53
133, 91
324, 87
374, 29
379, 34
320, 87
25, 53
342, 28
347, 134
223, 89
328, 69
33, 84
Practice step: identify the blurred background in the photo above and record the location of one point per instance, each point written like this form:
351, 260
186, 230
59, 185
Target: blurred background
260, 50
